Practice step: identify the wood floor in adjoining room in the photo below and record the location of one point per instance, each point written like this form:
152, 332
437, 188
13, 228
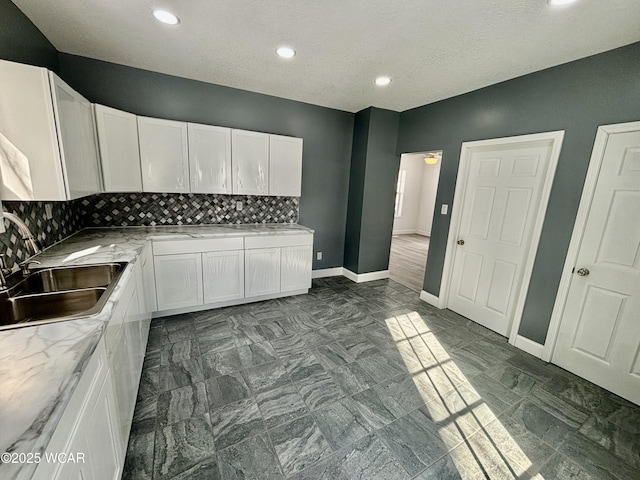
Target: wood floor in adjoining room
408, 260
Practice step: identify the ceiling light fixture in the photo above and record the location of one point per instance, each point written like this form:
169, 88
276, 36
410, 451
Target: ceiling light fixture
431, 158
166, 17
286, 52
557, 3
383, 81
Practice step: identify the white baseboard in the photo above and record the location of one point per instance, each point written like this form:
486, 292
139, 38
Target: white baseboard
365, 277
430, 298
404, 232
424, 233
529, 346
327, 272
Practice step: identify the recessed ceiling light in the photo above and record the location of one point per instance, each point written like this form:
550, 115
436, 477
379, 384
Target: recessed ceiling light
166, 17
555, 3
285, 52
383, 81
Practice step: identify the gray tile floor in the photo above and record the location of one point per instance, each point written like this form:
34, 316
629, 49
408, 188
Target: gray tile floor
364, 381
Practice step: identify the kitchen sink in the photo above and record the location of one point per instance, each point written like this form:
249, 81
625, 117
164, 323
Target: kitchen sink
59, 293
48, 306
68, 278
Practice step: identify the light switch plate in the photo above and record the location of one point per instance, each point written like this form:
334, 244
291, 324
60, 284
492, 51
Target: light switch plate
444, 209
318, 255
239, 206
48, 211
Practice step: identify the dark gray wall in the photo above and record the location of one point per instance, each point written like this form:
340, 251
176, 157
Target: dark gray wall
371, 193
326, 132
21, 41
356, 189
575, 97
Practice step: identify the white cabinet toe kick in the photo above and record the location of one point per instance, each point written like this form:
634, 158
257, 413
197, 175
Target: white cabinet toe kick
200, 274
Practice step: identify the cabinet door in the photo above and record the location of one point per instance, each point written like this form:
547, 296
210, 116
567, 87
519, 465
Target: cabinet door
75, 470
104, 452
285, 166
178, 280
223, 275
250, 160
262, 271
119, 149
30, 164
295, 268
164, 155
209, 158
77, 140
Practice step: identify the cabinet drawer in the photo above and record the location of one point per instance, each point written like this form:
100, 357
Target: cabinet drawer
272, 241
173, 247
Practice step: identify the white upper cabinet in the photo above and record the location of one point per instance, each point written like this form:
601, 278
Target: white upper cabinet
285, 166
119, 150
250, 157
164, 155
47, 141
86, 180
209, 159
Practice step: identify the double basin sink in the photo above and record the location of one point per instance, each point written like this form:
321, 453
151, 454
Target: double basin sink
59, 293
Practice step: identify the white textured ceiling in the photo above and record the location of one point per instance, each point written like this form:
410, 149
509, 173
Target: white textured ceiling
433, 49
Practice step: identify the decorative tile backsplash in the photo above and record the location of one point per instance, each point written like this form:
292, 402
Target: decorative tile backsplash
133, 209
66, 220
150, 209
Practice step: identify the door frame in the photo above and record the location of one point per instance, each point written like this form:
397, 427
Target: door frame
556, 138
593, 172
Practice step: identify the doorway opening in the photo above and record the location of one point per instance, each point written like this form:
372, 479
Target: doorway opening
415, 202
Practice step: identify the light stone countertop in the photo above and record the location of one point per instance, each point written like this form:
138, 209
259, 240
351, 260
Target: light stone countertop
41, 365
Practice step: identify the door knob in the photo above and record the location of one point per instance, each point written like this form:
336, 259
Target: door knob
460, 242
583, 272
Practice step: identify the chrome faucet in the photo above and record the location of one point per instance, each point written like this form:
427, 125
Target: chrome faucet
30, 243
4, 273
29, 240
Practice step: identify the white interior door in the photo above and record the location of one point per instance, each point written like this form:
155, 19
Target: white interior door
504, 195
599, 335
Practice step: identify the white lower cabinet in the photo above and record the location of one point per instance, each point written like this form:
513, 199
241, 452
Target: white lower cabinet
223, 275
105, 454
98, 442
88, 427
232, 270
295, 268
262, 271
178, 280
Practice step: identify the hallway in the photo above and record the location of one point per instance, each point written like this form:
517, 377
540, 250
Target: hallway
408, 259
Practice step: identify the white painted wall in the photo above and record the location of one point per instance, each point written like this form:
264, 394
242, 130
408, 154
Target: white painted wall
407, 223
420, 195
427, 202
